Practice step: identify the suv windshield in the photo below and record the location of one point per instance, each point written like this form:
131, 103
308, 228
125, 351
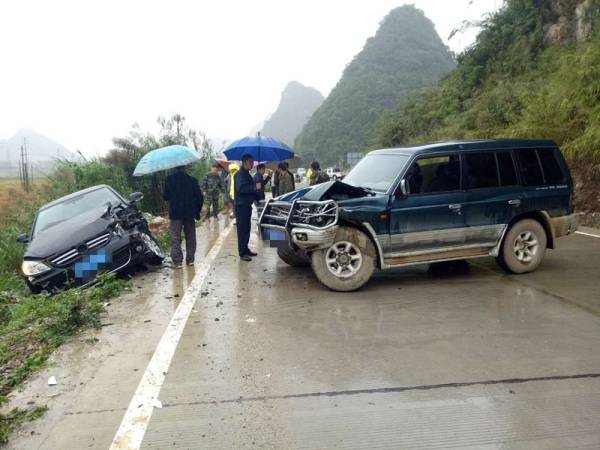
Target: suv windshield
376, 172
74, 207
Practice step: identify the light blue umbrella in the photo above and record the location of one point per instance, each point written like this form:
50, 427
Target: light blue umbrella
166, 158
260, 148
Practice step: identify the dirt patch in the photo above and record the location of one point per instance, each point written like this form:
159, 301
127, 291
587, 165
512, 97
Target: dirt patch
587, 189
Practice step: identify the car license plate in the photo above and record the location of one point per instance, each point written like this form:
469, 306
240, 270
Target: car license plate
271, 234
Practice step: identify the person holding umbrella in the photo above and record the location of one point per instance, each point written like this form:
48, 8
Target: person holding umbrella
245, 196
245, 193
182, 192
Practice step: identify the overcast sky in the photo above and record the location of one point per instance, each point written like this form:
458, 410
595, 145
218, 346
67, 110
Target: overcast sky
82, 72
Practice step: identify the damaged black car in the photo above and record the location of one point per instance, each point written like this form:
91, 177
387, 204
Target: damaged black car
78, 236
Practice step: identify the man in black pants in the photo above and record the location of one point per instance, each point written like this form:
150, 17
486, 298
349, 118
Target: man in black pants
185, 203
246, 194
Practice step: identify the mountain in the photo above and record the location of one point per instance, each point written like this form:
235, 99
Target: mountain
41, 150
297, 104
533, 72
405, 54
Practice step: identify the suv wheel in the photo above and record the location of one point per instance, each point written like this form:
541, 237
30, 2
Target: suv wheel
523, 247
348, 263
293, 257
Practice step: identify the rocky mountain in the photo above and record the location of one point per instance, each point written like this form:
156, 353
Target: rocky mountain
405, 54
41, 150
297, 104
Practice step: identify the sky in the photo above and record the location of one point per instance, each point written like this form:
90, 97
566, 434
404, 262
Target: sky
82, 72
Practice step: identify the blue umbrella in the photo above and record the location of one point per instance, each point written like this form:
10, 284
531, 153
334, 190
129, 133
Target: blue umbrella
260, 148
165, 158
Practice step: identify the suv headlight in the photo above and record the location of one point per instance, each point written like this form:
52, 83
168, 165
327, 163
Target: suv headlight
31, 268
318, 214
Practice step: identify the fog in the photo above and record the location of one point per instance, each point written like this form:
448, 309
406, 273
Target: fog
83, 72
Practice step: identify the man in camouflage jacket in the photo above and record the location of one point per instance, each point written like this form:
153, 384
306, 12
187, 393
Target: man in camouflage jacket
212, 186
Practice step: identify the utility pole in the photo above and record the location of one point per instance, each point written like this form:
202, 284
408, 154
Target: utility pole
25, 172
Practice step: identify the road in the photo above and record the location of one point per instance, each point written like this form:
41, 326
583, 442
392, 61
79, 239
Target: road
460, 356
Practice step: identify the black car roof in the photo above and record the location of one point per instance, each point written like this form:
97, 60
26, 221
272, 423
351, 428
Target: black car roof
483, 144
78, 193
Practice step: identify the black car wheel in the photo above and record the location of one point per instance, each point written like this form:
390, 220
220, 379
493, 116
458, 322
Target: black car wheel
292, 257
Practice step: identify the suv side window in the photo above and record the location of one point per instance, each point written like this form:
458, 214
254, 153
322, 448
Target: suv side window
529, 166
434, 174
482, 170
552, 170
506, 166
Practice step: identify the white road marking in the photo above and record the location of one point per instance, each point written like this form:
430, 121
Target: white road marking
587, 234
135, 422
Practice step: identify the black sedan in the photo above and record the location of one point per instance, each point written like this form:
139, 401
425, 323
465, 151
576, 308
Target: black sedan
78, 236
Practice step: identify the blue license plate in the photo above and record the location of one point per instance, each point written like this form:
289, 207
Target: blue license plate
270, 234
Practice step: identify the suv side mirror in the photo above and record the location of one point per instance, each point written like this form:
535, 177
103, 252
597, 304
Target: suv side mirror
135, 197
23, 238
403, 187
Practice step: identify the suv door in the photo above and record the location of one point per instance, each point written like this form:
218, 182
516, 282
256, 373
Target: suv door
427, 218
493, 195
546, 182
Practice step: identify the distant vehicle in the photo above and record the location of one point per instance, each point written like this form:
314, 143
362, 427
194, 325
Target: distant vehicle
301, 172
334, 173
510, 199
82, 234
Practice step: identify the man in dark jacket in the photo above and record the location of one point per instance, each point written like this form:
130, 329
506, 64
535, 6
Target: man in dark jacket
317, 176
261, 181
185, 203
245, 195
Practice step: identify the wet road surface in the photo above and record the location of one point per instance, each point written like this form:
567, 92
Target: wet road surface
457, 355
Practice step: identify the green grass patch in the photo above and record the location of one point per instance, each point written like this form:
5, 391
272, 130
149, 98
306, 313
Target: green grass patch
32, 326
16, 417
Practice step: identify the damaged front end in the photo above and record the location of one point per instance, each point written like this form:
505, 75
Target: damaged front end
306, 219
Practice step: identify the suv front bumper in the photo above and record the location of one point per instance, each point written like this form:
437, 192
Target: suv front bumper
278, 224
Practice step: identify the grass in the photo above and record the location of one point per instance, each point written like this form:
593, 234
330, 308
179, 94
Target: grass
6, 186
32, 326
16, 417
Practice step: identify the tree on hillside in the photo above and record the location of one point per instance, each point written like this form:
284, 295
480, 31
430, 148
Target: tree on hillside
128, 151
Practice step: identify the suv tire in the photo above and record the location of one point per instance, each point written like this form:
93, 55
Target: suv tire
294, 258
348, 263
523, 247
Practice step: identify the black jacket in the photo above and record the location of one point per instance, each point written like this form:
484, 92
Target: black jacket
245, 189
183, 194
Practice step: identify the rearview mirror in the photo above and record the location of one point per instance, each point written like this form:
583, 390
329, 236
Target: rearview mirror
23, 238
403, 188
135, 197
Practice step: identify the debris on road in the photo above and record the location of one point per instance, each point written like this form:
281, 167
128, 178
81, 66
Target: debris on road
157, 403
52, 381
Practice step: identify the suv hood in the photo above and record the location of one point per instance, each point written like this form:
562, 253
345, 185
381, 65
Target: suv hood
331, 190
68, 234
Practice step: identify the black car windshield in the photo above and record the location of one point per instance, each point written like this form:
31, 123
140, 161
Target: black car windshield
376, 172
74, 207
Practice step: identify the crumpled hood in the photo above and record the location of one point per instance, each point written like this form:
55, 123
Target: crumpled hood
334, 190
68, 234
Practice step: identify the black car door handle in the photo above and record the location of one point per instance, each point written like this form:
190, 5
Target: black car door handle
455, 206
514, 202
